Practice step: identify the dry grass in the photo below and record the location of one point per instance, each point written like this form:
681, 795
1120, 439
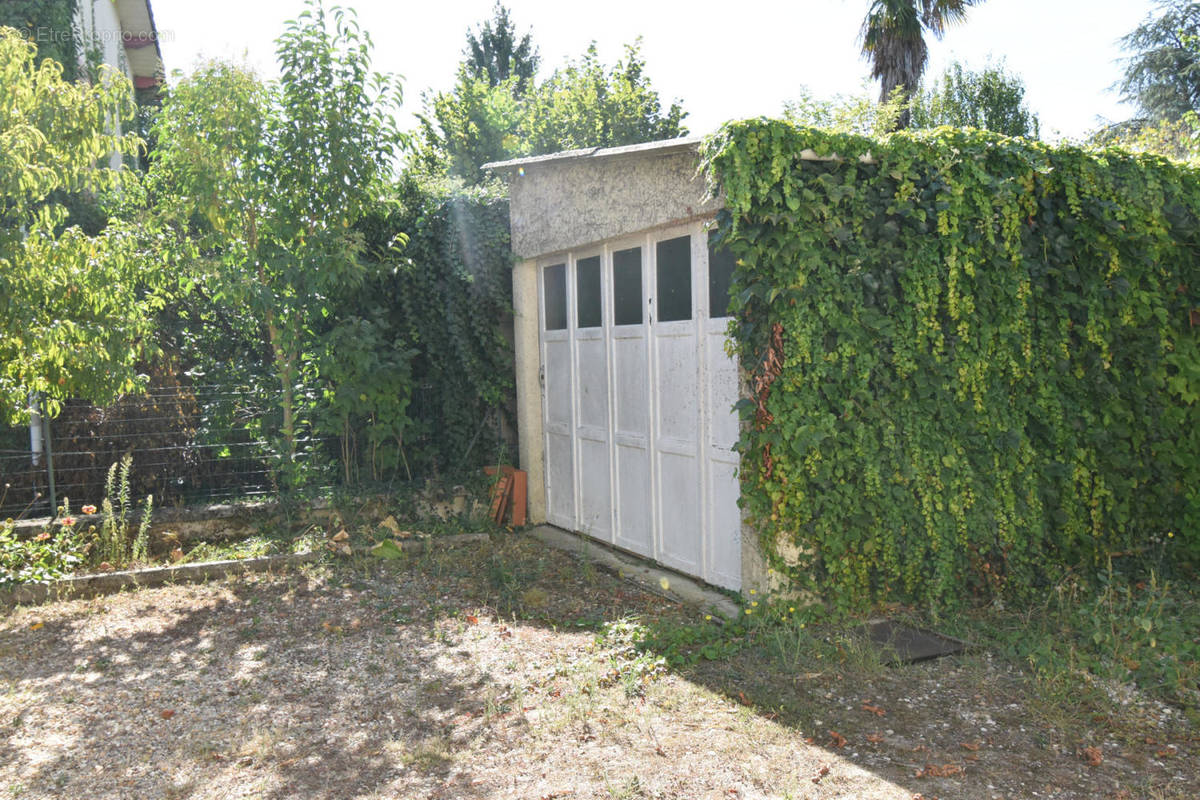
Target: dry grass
480, 672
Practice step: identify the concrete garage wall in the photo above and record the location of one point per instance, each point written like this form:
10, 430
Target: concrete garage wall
581, 197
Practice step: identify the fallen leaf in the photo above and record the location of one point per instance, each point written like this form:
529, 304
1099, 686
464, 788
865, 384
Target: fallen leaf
972, 746
166, 713
177, 554
472, 619
876, 710
809, 740
837, 739
1166, 752
105, 567
341, 536
1093, 756
874, 738
934, 771
390, 523
387, 549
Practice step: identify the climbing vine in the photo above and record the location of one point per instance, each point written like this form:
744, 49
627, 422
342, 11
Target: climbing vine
989, 365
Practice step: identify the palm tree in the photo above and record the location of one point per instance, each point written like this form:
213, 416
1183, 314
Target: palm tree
893, 38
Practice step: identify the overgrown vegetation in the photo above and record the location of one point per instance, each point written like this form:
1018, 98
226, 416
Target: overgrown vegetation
974, 359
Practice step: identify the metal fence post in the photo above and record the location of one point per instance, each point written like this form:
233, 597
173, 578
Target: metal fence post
49, 459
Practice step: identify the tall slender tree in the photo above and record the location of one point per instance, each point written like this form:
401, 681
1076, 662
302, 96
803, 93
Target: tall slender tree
893, 38
496, 53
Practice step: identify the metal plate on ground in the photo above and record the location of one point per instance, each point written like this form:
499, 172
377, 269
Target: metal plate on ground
904, 644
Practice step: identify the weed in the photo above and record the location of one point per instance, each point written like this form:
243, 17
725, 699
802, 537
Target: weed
1118, 630
116, 542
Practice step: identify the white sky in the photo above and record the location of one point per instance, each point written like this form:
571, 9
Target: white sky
722, 60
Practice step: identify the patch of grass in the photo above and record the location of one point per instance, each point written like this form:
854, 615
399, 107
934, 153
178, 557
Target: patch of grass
1116, 631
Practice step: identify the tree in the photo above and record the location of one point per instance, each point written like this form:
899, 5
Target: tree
583, 104
586, 104
263, 184
991, 99
75, 309
470, 125
497, 54
1163, 76
50, 24
893, 38
844, 113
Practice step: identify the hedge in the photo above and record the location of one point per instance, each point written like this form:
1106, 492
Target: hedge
974, 359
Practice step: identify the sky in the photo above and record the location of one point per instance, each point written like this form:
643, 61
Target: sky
720, 60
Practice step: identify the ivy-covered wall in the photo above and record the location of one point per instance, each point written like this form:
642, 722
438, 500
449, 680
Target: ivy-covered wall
974, 360
51, 25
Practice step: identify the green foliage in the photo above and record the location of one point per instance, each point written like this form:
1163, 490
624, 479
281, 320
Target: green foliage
469, 126
260, 187
47, 556
117, 543
1178, 139
444, 305
75, 309
50, 25
856, 113
583, 104
496, 53
1162, 77
992, 99
988, 372
586, 104
1120, 630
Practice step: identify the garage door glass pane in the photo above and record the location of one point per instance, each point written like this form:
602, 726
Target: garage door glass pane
627, 286
720, 274
587, 289
554, 282
675, 279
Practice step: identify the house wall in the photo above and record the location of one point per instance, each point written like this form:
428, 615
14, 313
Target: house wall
100, 29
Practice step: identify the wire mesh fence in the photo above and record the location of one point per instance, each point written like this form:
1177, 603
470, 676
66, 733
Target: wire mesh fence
190, 444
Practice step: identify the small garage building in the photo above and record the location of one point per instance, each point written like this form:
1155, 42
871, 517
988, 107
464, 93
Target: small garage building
625, 388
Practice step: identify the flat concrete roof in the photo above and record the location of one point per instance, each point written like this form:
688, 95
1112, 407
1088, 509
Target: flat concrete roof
662, 147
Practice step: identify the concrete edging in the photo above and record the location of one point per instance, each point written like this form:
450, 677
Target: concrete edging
83, 586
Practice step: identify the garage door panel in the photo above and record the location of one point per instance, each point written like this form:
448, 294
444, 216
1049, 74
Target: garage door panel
595, 495
634, 516
722, 395
558, 383
679, 518
631, 385
724, 543
560, 480
678, 376
593, 383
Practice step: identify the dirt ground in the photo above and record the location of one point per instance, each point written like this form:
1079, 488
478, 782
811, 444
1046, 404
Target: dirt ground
506, 670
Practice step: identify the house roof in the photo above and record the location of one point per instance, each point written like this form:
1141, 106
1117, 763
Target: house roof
140, 36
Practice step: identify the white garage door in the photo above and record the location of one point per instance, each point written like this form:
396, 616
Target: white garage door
638, 398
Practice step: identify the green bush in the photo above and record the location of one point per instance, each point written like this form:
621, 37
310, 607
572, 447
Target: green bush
974, 359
